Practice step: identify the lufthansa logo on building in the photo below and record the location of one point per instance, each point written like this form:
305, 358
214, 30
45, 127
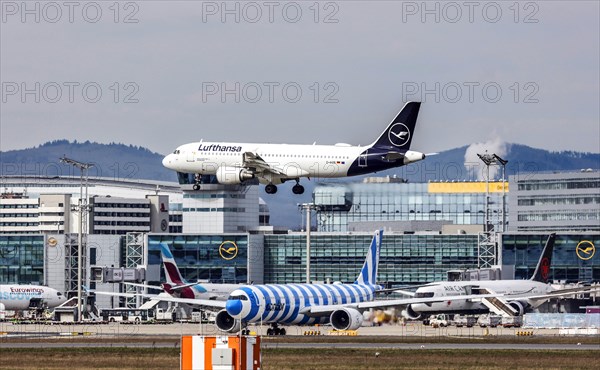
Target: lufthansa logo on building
228, 250
585, 250
52, 242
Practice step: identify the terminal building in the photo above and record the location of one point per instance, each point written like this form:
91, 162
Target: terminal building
407, 206
430, 229
555, 201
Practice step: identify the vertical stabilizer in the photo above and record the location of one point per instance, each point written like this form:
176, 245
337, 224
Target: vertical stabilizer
399, 133
172, 273
368, 273
542, 271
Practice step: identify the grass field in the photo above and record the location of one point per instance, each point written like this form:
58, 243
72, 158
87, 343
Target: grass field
327, 359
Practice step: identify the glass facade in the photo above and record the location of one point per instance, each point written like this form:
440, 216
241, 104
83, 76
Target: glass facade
545, 202
404, 259
574, 258
21, 259
219, 258
391, 200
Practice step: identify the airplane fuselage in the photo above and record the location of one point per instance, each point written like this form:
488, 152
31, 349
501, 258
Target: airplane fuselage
294, 161
20, 297
271, 164
203, 291
287, 303
510, 289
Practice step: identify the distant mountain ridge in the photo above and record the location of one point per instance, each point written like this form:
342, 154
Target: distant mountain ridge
110, 160
122, 161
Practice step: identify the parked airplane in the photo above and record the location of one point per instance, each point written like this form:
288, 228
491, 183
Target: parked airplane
271, 164
177, 286
179, 289
518, 296
24, 297
341, 305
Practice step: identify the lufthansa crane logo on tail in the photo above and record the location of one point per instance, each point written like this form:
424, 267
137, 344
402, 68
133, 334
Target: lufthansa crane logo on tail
399, 134
228, 250
585, 250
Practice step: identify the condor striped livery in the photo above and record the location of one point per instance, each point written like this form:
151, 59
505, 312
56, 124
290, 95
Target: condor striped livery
302, 304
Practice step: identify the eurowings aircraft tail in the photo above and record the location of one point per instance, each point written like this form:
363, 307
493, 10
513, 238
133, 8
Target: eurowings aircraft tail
399, 133
368, 273
172, 273
542, 271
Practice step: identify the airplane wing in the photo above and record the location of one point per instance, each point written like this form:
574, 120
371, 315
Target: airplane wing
559, 293
402, 289
208, 303
155, 287
254, 162
327, 309
405, 292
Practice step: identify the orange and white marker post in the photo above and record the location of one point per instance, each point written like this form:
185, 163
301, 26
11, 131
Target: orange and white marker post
220, 353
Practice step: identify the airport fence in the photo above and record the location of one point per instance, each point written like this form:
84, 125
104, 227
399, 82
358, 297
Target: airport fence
561, 320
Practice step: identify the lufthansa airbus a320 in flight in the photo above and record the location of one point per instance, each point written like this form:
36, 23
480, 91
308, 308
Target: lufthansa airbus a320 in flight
272, 164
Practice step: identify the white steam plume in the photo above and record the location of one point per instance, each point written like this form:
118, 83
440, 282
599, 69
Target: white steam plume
475, 167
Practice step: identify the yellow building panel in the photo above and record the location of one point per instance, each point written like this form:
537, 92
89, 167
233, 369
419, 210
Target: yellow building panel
465, 187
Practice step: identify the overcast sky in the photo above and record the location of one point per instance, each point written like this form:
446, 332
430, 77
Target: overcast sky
296, 72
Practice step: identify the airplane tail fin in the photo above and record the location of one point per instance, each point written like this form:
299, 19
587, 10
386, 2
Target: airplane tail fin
368, 273
399, 133
172, 273
542, 271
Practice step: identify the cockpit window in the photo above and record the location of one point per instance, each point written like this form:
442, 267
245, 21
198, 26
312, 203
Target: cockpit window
58, 294
238, 298
177, 151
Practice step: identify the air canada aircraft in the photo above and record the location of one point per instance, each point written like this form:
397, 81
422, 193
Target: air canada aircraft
24, 297
339, 304
517, 296
272, 164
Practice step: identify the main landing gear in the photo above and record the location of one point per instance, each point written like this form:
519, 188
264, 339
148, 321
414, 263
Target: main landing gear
271, 189
298, 189
275, 330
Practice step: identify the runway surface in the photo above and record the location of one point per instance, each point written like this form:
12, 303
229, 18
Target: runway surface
410, 337
373, 345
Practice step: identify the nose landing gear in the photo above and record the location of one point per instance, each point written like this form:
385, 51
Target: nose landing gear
197, 182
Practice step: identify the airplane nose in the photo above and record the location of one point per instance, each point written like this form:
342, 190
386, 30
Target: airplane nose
234, 307
166, 161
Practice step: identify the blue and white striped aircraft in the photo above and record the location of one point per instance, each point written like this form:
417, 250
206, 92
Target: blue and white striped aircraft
340, 305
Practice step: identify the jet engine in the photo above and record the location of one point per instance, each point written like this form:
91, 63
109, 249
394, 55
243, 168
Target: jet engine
346, 319
411, 156
233, 175
409, 313
227, 323
519, 306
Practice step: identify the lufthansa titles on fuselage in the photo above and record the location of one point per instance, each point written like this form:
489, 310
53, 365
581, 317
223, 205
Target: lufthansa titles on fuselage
219, 148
